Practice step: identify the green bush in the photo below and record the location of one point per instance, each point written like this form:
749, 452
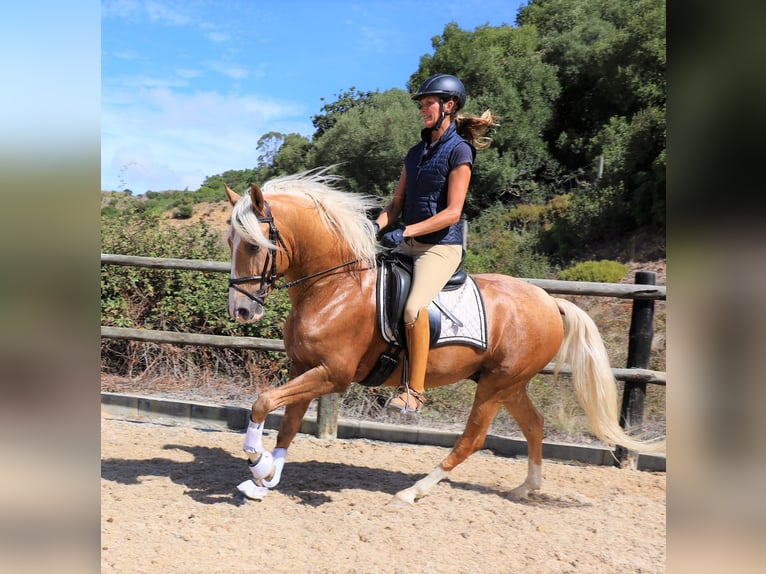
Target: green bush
171, 299
184, 211
603, 271
498, 243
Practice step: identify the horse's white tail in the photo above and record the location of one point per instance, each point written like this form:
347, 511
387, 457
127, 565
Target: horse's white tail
584, 351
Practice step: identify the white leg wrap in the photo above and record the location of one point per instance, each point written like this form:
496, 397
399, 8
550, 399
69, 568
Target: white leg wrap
279, 463
257, 488
263, 464
263, 467
253, 438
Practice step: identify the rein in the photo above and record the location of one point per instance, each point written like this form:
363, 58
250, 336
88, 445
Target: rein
268, 277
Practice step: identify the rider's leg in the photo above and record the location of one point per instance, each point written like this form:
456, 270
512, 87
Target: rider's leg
433, 265
418, 335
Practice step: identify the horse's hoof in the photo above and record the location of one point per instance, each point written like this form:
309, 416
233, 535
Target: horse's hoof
251, 490
400, 500
519, 494
398, 504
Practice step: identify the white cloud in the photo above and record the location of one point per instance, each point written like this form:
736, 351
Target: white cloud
155, 138
120, 8
230, 70
218, 37
188, 74
163, 12
166, 13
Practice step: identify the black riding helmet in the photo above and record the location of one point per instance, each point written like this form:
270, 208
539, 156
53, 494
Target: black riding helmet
445, 87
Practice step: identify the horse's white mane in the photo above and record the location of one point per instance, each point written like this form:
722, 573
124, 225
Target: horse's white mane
344, 213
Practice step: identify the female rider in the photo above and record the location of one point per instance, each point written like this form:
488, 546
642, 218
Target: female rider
429, 197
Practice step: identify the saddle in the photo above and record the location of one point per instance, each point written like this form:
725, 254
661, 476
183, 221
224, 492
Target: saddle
393, 287
394, 282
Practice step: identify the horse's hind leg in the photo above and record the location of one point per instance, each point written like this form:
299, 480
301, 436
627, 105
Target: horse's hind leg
483, 411
531, 424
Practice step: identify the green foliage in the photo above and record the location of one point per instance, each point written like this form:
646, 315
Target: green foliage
212, 188
170, 300
495, 245
369, 142
603, 271
634, 163
183, 211
281, 154
333, 111
159, 298
109, 211
611, 62
291, 157
586, 216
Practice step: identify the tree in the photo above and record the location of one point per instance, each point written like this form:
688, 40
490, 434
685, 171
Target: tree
268, 147
346, 101
610, 57
369, 142
292, 155
212, 187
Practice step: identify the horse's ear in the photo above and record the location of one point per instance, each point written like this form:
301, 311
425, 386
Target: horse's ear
231, 194
256, 196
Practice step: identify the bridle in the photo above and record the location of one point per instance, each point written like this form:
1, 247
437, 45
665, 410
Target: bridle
269, 275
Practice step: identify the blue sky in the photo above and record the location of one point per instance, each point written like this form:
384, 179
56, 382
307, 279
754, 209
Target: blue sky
189, 86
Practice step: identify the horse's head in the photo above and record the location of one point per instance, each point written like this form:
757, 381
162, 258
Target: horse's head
254, 240
327, 230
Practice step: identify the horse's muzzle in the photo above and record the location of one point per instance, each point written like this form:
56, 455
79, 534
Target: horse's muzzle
244, 310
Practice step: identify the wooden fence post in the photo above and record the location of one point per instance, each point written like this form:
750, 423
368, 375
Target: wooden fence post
327, 415
639, 352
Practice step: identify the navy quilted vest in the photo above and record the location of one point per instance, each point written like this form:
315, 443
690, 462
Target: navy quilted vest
426, 189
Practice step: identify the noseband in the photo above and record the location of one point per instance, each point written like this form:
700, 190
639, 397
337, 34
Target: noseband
268, 277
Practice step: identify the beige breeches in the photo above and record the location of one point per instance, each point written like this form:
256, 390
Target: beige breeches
433, 266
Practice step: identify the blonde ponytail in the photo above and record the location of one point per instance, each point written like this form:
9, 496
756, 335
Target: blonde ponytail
473, 128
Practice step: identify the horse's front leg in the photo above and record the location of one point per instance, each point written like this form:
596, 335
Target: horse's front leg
266, 467
303, 388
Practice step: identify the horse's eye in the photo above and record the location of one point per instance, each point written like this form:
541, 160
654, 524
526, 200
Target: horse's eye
252, 248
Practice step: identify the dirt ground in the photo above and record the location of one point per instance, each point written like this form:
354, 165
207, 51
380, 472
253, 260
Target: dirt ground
169, 504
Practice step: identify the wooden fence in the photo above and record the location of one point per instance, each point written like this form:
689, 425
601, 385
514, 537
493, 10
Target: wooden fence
636, 376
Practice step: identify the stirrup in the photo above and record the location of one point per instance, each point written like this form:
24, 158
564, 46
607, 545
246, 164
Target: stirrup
408, 401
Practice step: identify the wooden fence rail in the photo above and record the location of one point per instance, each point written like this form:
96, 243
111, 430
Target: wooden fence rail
176, 338
551, 286
644, 292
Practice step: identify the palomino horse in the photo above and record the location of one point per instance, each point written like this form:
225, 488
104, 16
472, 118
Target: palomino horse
320, 240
